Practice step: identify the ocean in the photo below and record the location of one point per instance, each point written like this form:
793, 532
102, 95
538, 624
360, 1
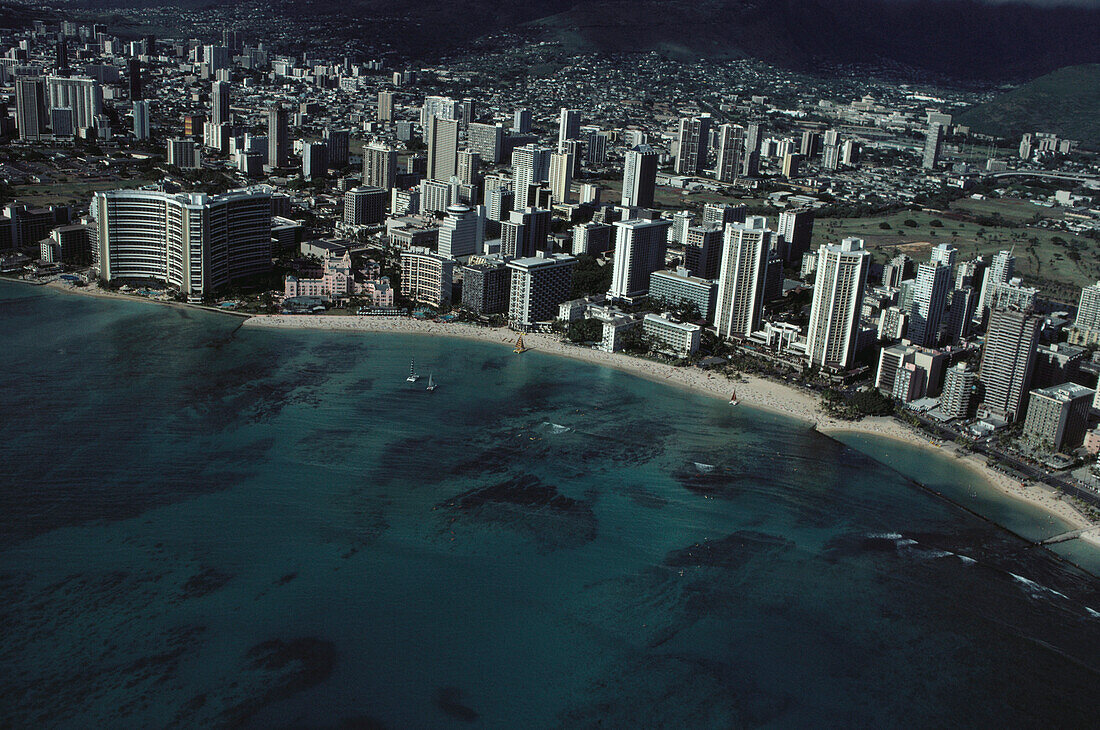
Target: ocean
209, 526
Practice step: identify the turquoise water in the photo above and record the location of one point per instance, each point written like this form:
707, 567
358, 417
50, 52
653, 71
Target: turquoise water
202, 525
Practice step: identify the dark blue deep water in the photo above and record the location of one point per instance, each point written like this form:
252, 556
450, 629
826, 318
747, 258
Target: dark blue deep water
204, 526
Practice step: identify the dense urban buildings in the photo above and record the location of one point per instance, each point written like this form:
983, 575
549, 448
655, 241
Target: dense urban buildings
689, 201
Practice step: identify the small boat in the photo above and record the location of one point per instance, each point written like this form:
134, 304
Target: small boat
413, 377
520, 347
733, 398
431, 384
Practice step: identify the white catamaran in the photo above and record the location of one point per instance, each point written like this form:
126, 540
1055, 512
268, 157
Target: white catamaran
413, 377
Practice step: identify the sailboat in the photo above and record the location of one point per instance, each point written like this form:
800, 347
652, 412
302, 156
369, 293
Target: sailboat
431, 383
520, 347
733, 398
413, 377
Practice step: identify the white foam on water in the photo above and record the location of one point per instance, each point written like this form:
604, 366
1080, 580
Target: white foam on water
884, 535
1036, 588
1094, 614
704, 468
557, 427
966, 560
1029, 583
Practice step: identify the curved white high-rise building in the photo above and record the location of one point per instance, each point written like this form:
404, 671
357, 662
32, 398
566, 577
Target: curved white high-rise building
192, 241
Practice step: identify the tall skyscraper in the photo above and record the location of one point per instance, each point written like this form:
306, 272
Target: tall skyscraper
933, 141
219, 102
278, 137
469, 167
314, 160
487, 140
1086, 326
595, 145
640, 247
796, 228
442, 148
62, 60
521, 121
753, 138
811, 144
561, 176
691, 155
437, 106
30, 107
730, 144
525, 232
379, 166
569, 126
1008, 360
833, 332
338, 142
945, 254
462, 232
385, 106
364, 206
141, 119
703, 250
849, 153
929, 303
639, 177
84, 96
538, 285
792, 164
741, 277
750, 165
724, 213
183, 154
467, 112
216, 57
1000, 270
959, 388
231, 39
530, 166
135, 79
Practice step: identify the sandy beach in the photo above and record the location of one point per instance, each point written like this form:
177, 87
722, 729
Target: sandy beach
754, 391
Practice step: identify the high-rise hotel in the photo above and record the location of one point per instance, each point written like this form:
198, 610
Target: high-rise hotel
838, 297
192, 241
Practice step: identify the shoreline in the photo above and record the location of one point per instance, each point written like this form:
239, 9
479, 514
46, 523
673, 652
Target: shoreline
767, 395
752, 390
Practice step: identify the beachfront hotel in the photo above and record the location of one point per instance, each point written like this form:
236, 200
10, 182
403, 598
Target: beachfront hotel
838, 294
338, 281
192, 241
538, 285
426, 276
740, 302
1008, 360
